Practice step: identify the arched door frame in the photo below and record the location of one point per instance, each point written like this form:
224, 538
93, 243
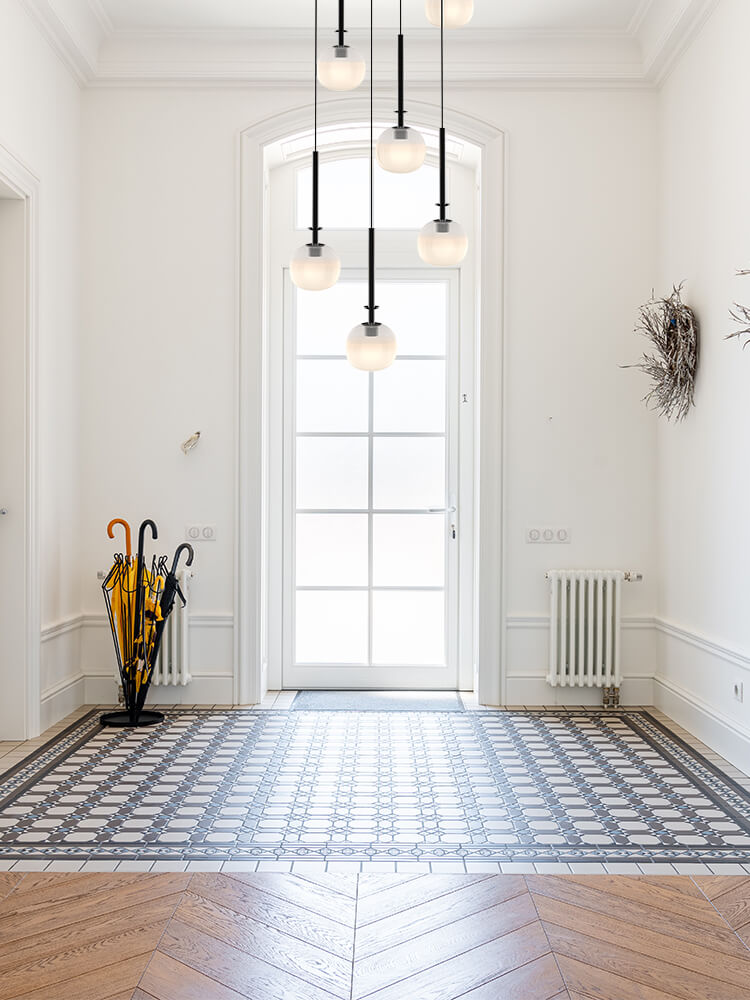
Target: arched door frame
251, 388
25, 185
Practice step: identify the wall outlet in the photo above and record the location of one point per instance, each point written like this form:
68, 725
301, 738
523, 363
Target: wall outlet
200, 533
548, 536
739, 691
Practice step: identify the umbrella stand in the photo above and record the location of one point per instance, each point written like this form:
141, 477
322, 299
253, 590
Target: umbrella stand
139, 600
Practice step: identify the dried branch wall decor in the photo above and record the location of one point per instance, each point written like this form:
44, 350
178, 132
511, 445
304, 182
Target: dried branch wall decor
741, 315
672, 328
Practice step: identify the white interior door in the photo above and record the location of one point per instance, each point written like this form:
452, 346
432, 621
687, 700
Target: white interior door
13, 664
372, 517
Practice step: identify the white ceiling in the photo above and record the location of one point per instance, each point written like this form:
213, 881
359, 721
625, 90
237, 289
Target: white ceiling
515, 15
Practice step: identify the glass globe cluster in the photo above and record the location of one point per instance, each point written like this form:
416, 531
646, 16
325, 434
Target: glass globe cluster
400, 149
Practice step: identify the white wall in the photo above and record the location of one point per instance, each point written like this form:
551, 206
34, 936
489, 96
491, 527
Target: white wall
704, 474
40, 125
161, 276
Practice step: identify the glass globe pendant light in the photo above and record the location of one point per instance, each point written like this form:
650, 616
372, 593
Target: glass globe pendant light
401, 149
315, 267
457, 12
370, 346
442, 242
342, 68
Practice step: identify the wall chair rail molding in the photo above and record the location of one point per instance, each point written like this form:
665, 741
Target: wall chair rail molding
20, 179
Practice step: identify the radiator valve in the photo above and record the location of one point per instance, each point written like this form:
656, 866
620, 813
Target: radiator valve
611, 697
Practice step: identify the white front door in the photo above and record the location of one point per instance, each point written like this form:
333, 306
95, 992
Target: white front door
13, 665
372, 493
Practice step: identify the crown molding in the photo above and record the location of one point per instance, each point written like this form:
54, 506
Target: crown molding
639, 58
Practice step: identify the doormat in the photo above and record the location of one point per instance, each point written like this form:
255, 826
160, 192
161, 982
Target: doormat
239, 785
378, 701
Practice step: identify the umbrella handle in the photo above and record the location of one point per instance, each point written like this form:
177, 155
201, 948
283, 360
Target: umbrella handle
180, 549
141, 535
128, 538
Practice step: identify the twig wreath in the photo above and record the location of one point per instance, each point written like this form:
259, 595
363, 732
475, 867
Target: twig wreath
740, 314
672, 328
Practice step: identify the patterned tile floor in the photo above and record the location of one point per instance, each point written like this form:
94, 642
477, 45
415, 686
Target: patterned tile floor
519, 791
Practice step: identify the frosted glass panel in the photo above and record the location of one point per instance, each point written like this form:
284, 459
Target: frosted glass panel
417, 311
408, 628
324, 319
409, 550
410, 396
331, 627
331, 396
409, 472
331, 550
332, 473
402, 201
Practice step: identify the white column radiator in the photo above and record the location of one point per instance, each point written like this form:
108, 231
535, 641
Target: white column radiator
585, 627
173, 662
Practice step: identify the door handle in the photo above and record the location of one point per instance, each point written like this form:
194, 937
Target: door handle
441, 510
3, 511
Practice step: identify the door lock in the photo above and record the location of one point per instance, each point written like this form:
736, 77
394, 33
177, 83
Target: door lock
3, 511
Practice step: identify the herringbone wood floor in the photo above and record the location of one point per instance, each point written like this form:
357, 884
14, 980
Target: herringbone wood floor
382, 937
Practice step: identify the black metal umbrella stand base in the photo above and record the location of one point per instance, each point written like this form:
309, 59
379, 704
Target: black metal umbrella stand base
122, 720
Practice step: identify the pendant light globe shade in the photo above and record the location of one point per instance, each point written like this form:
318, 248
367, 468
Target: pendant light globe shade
342, 68
401, 150
443, 244
371, 347
457, 12
314, 267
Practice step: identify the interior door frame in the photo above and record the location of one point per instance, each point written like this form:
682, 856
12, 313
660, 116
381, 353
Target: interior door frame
252, 385
19, 178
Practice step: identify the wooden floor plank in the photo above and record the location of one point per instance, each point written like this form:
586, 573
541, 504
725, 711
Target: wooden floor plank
611, 929
453, 978
289, 954
299, 922
734, 905
31, 913
333, 882
234, 968
585, 982
433, 913
305, 894
583, 894
646, 892
37, 947
370, 883
537, 980
397, 896
101, 984
417, 954
714, 886
644, 970
55, 970
167, 979
8, 882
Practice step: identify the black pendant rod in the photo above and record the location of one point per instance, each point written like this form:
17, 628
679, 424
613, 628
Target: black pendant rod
371, 307
342, 30
400, 112
315, 224
442, 204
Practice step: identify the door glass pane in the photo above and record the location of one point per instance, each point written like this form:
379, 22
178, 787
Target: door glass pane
408, 550
410, 396
332, 473
331, 626
332, 550
408, 472
331, 396
324, 319
408, 627
418, 313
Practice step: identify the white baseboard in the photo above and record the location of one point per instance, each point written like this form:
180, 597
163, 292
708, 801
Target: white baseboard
203, 689
527, 656
61, 699
61, 675
694, 686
